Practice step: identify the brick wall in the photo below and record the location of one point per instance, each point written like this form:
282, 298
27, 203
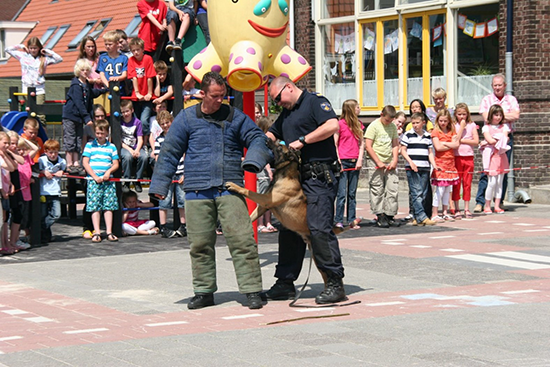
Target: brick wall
304, 35
531, 85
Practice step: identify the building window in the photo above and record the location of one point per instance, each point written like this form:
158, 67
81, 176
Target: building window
391, 62
337, 8
370, 89
133, 27
47, 34
425, 56
57, 36
2, 44
380, 66
100, 28
369, 5
478, 53
76, 41
339, 62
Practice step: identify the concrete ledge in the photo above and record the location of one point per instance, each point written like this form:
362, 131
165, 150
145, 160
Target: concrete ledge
540, 194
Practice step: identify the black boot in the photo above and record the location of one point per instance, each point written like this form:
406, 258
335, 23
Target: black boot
254, 300
201, 300
280, 291
334, 291
382, 221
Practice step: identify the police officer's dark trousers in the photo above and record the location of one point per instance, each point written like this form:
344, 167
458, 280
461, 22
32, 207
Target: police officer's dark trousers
320, 214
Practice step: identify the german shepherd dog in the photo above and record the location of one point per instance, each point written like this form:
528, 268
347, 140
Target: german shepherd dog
284, 197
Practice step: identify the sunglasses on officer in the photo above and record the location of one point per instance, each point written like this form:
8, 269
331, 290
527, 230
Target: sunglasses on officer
277, 99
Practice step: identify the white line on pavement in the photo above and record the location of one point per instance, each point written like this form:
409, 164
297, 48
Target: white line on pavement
498, 261
384, 304
440, 237
38, 319
15, 312
85, 331
314, 309
242, 316
168, 323
488, 233
521, 291
522, 256
8, 338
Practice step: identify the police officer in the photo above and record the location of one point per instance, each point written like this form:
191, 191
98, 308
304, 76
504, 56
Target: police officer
308, 124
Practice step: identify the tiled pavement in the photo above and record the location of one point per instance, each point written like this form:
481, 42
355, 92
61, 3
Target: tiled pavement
468, 293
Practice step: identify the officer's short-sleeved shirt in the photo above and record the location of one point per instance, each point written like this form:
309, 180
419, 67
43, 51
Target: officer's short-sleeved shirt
311, 111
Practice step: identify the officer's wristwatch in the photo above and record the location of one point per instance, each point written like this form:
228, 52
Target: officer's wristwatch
302, 139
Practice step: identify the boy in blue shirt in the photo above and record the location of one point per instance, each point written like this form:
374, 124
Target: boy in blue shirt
51, 168
112, 66
100, 160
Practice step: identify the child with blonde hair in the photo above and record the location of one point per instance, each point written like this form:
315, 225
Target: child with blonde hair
34, 59
7, 165
77, 112
350, 147
444, 175
464, 158
51, 168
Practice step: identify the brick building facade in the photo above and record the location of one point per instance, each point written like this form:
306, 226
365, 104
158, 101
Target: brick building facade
531, 86
531, 80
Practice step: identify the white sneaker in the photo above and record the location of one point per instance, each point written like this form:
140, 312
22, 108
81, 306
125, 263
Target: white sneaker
22, 245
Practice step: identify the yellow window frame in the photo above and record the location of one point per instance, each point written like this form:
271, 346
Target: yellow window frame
379, 61
426, 38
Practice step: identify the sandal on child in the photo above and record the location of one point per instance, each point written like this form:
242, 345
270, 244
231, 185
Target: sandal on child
153, 231
262, 229
87, 234
96, 237
458, 215
5, 251
271, 229
468, 214
438, 219
111, 237
448, 218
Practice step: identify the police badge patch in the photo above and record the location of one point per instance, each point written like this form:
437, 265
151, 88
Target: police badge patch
326, 106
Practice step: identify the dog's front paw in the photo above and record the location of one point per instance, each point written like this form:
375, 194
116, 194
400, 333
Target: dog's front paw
233, 187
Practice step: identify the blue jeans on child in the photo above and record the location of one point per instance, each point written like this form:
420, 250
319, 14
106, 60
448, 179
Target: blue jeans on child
347, 188
419, 185
51, 211
176, 189
127, 159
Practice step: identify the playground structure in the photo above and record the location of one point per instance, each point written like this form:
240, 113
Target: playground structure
14, 120
264, 53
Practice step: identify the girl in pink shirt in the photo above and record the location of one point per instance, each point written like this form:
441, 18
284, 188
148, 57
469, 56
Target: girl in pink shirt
27, 149
350, 147
464, 158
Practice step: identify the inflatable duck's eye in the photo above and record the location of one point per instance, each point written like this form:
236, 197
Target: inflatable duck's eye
235, 1
283, 5
262, 7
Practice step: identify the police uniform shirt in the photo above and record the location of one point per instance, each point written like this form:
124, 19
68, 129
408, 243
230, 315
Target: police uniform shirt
311, 111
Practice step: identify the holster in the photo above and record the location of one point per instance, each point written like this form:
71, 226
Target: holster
320, 170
